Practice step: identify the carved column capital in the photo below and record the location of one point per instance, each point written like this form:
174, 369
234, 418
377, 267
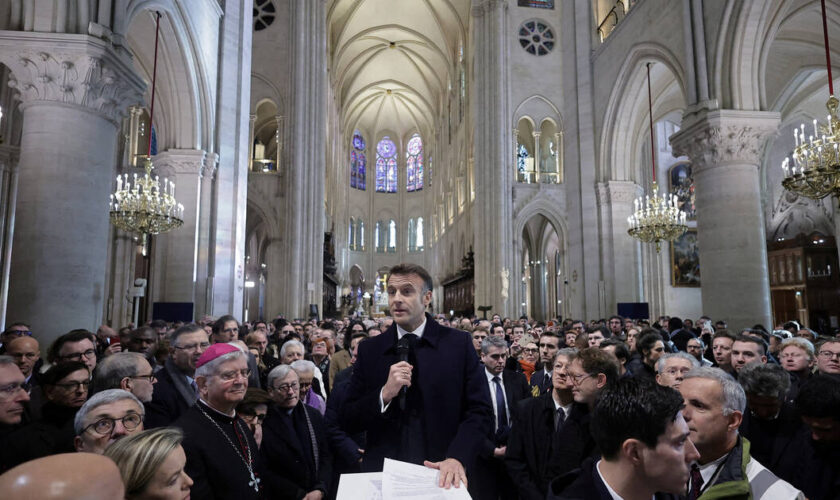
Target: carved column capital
211, 166
725, 136
181, 161
72, 70
613, 192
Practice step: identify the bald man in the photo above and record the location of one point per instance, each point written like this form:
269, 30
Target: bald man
26, 353
81, 476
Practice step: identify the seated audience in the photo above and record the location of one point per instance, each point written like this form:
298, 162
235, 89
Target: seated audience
152, 465
105, 418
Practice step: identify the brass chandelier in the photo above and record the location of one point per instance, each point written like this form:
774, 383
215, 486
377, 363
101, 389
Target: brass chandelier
815, 169
656, 216
141, 205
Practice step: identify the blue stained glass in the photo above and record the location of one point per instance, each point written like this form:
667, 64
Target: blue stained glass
380, 174
357, 162
414, 163
391, 186
360, 174
154, 148
358, 141
386, 166
353, 169
521, 156
386, 147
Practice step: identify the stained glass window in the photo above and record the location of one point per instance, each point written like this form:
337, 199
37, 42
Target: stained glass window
386, 166
414, 164
536, 38
357, 161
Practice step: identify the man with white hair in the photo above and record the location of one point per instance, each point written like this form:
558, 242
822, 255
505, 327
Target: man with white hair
714, 408
672, 367
106, 417
306, 371
222, 456
129, 371
291, 351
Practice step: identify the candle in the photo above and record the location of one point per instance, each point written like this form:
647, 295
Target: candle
815, 129
796, 137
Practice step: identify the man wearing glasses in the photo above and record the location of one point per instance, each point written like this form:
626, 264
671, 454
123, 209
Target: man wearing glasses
13, 395
76, 345
26, 353
14, 331
176, 390
294, 445
128, 371
828, 357
106, 417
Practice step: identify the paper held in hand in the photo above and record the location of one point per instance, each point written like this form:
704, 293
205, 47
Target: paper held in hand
398, 480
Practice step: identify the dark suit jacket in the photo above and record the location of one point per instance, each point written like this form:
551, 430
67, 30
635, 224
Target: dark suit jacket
541, 380
529, 446
289, 460
171, 398
456, 414
681, 337
516, 389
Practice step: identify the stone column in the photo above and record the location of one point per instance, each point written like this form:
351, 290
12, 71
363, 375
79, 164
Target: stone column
251, 126
725, 148
178, 249
537, 155
621, 259
74, 89
278, 137
304, 264
204, 284
493, 170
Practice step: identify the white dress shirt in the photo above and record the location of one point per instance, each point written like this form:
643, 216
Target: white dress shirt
493, 396
401, 332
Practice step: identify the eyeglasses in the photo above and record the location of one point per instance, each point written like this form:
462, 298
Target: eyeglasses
105, 426
89, 354
529, 350
247, 417
8, 391
192, 347
288, 387
578, 379
72, 386
17, 333
150, 377
27, 355
829, 354
231, 375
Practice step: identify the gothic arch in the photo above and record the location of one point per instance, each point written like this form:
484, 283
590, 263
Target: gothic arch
537, 109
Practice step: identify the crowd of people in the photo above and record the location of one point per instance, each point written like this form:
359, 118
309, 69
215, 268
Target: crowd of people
509, 408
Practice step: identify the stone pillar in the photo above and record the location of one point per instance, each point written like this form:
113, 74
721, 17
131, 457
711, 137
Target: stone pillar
278, 137
8, 200
304, 264
177, 250
74, 89
493, 170
537, 155
251, 126
621, 259
204, 284
725, 147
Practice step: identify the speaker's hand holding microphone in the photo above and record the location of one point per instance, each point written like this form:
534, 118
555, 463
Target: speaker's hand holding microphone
399, 376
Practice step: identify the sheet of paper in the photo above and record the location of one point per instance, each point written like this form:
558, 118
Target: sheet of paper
365, 486
401, 480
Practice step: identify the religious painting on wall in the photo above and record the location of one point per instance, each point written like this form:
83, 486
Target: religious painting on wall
685, 260
682, 186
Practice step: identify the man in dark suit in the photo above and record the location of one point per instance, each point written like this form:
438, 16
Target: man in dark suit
444, 414
678, 335
541, 379
175, 391
507, 388
537, 431
294, 444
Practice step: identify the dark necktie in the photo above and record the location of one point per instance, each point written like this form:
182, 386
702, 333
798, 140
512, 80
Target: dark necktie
559, 418
501, 413
696, 483
194, 387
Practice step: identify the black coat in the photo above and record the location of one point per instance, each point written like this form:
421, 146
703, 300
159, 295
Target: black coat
529, 446
681, 337
288, 455
216, 469
542, 380
777, 444
53, 433
577, 443
171, 398
447, 408
491, 479
585, 484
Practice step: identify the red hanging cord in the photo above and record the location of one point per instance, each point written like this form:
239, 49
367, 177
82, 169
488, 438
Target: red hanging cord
154, 80
650, 116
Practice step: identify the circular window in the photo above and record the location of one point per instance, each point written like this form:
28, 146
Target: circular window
264, 13
536, 38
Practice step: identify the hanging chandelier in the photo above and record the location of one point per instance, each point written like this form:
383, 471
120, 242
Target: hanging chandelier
815, 169
140, 204
656, 217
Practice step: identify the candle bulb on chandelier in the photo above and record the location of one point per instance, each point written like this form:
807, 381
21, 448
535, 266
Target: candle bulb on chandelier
815, 129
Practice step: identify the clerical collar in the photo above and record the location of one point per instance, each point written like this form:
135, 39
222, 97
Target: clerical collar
232, 415
419, 331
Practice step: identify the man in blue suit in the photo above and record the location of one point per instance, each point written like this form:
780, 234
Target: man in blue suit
418, 389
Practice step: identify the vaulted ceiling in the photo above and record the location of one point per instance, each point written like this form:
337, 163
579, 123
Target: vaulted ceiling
392, 61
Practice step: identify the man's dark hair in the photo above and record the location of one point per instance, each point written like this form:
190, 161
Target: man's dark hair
618, 318
647, 341
71, 336
633, 408
220, 323
546, 333
188, 328
621, 350
819, 397
8, 329
405, 268
595, 361
755, 340
724, 333
674, 324
60, 370
158, 323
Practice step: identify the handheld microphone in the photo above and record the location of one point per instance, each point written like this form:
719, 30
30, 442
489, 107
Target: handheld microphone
403, 347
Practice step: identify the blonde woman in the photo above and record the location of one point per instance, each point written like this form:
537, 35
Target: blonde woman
152, 465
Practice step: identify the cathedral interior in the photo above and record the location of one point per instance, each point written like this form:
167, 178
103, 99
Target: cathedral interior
501, 144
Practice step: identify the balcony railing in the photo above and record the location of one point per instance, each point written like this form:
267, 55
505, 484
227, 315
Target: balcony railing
613, 17
531, 177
